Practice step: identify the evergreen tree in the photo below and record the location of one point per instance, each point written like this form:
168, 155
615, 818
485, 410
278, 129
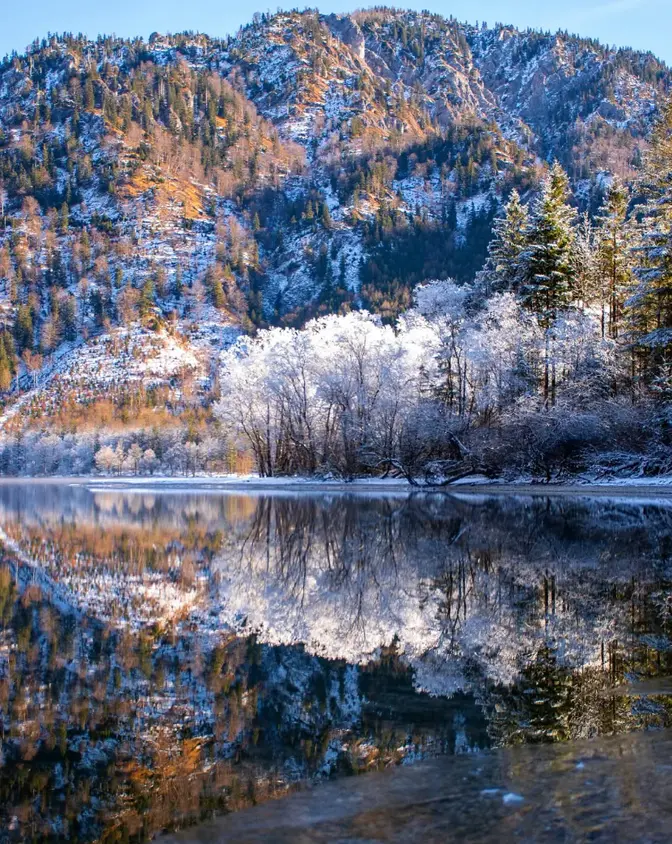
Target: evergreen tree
651, 304
614, 259
548, 285
10, 350
179, 285
310, 216
89, 99
23, 328
5, 371
587, 284
68, 315
214, 286
146, 298
549, 274
504, 267
342, 277
218, 296
326, 216
549, 705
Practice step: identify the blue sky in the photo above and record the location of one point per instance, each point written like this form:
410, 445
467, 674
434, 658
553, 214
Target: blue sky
644, 24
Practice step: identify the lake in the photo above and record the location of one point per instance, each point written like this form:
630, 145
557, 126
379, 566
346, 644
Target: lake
169, 654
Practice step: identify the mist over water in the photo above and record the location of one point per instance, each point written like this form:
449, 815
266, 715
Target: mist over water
165, 655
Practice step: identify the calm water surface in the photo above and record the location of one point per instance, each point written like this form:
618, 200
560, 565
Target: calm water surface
168, 655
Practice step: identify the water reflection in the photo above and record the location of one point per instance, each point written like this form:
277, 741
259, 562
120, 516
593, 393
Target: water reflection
165, 655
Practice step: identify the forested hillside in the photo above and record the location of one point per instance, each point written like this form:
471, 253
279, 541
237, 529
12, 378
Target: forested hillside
159, 198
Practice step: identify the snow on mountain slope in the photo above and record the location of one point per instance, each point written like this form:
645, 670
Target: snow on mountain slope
308, 163
124, 361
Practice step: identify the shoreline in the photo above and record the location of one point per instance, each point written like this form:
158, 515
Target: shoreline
232, 484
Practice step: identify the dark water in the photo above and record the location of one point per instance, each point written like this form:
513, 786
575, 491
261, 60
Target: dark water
165, 656
614, 789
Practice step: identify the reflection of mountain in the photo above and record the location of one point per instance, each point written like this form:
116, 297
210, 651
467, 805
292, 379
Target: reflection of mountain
151, 721
53, 504
467, 590
291, 637
605, 790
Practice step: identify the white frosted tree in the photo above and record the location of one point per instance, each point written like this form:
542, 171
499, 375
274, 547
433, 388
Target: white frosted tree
106, 459
134, 457
330, 397
149, 461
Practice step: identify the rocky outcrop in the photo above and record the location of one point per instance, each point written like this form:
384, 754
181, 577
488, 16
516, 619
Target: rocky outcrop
347, 31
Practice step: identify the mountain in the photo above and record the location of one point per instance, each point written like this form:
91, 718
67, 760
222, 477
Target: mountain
153, 193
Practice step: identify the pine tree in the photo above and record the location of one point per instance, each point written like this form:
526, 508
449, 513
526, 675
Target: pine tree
309, 215
504, 267
89, 99
179, 286
326, 216
549, 275
68, 315
614, 259
587, 284
549, 282
651, 305
342, 274
23, 328
5, 372
10, 350
146, 298
218, 296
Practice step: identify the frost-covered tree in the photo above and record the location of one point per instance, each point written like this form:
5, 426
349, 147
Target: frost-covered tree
549, 284
106, 459
149, 461
549, 274
444, 303
502, 348
331, 397
651, 303
504, 268
134, 457
587, 288
614, 258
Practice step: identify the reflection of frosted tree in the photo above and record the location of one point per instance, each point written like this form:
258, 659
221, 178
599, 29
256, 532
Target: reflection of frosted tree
474, 594
493, 597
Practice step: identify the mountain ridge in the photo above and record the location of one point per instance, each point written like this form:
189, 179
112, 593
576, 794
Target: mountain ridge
308, 164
